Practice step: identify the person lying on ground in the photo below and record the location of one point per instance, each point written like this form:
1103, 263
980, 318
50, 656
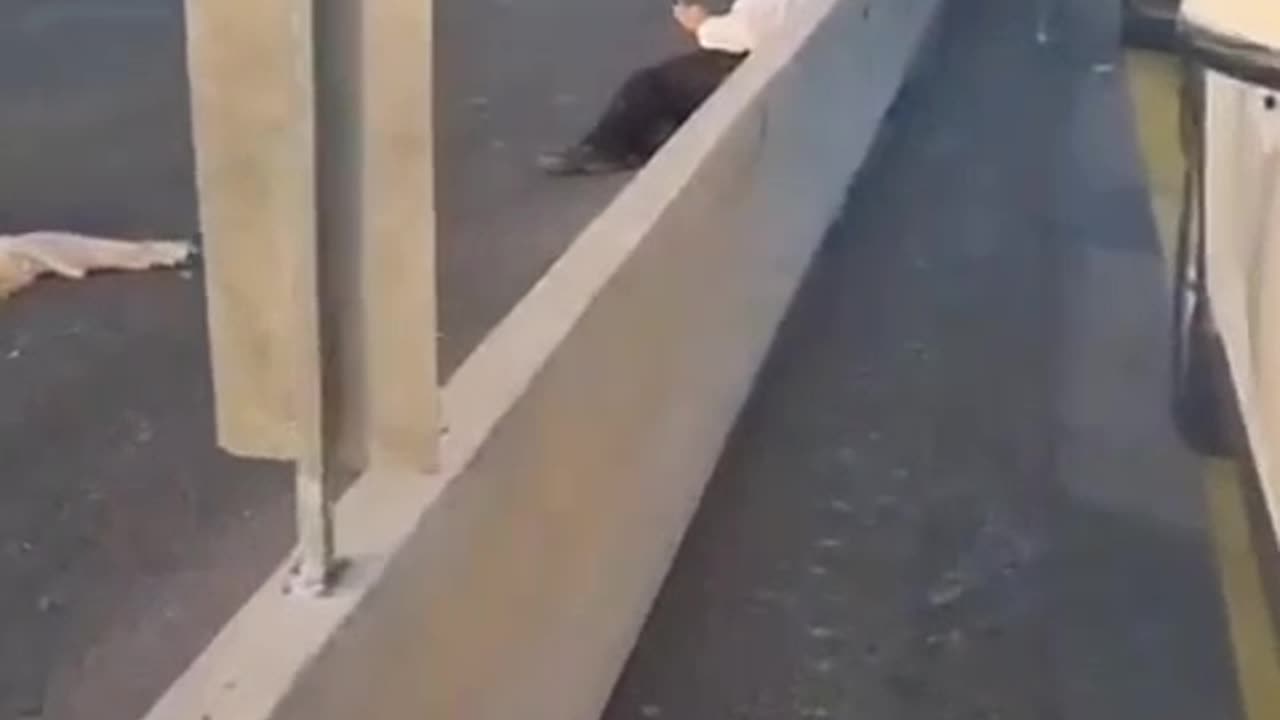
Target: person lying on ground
655, 101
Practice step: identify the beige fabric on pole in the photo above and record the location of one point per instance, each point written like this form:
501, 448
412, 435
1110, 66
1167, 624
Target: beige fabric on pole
313, 135
253, 104
25, 258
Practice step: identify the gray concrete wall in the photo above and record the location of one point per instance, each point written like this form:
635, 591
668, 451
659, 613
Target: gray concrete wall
514, 584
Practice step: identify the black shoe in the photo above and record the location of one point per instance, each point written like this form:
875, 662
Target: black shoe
582, 160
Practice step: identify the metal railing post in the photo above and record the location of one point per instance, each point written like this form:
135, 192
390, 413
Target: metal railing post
315, 164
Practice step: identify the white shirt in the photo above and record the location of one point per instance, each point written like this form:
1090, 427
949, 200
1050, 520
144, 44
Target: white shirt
746, 24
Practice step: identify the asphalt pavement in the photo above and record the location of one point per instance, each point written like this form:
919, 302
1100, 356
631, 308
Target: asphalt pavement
126, 537
955, 493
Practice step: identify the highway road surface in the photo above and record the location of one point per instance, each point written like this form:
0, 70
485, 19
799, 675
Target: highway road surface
954, 494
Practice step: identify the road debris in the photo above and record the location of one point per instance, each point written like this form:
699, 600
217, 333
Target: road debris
26, 257
48, 603
938, 642
948, 591
820, 632
999, 550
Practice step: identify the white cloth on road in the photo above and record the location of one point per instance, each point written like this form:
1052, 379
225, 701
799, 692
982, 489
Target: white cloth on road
25, 257
744, 26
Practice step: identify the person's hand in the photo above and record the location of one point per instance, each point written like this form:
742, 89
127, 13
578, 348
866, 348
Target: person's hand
690, 15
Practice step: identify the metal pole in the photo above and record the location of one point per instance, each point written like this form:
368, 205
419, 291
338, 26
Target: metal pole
315, 158
366, 392
253, 83
311, 402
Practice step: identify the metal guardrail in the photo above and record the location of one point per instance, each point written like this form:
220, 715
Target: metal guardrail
1238, 57
1160, 25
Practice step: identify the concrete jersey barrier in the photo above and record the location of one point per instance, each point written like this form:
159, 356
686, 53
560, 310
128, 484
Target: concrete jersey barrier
514, 583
